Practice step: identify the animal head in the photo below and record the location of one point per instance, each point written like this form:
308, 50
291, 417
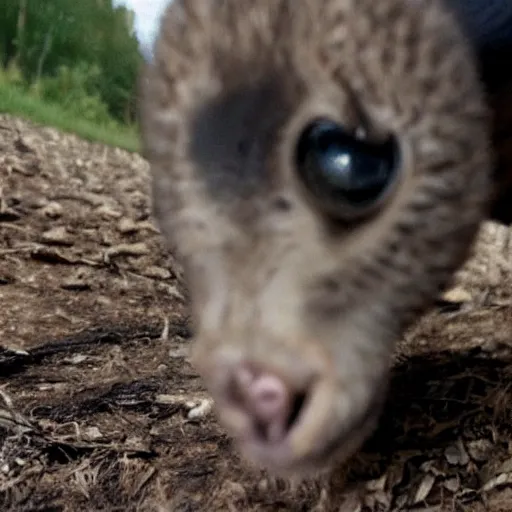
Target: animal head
321, 167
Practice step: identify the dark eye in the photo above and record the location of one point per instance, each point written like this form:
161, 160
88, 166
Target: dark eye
347, 176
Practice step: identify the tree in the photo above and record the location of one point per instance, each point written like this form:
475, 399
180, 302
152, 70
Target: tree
43, 36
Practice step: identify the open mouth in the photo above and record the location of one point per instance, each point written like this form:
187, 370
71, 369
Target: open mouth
309, 437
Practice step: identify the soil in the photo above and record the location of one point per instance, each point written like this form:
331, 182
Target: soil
101, 410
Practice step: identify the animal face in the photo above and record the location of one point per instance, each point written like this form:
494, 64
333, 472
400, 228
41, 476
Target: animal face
321, 167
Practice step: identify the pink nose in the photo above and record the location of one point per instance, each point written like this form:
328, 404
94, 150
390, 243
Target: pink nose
269, 404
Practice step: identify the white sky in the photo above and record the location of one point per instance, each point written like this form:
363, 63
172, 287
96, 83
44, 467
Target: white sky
147, 16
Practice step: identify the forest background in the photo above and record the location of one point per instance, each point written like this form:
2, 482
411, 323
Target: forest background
71, 64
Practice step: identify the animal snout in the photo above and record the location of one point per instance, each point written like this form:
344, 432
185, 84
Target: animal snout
288, 410
271, 404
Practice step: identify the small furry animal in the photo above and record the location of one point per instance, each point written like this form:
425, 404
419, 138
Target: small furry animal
322, 168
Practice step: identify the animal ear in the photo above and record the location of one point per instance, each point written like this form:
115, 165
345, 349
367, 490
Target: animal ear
496, 73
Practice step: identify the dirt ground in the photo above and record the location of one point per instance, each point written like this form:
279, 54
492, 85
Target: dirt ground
100, 409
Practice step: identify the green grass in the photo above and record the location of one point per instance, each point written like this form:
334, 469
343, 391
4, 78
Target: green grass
17, 102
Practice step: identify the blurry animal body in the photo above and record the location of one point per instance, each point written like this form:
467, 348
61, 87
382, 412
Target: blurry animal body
322, 168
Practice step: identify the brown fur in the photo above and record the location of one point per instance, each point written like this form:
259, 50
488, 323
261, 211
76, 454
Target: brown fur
232, 84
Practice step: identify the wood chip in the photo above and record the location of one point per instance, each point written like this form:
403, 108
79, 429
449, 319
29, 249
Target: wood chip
497, 481
57, 236
127, 226
107, 212
52, 210
201, 410
138, 249
457, 295
452, 484
424, 489
157, 272
480, 450
92, 433
456, 454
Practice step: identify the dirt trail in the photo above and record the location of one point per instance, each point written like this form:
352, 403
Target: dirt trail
100, 409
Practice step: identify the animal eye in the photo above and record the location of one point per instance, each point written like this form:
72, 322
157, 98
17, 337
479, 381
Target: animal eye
347, 176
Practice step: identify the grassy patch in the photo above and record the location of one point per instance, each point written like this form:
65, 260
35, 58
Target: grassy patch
15, 101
